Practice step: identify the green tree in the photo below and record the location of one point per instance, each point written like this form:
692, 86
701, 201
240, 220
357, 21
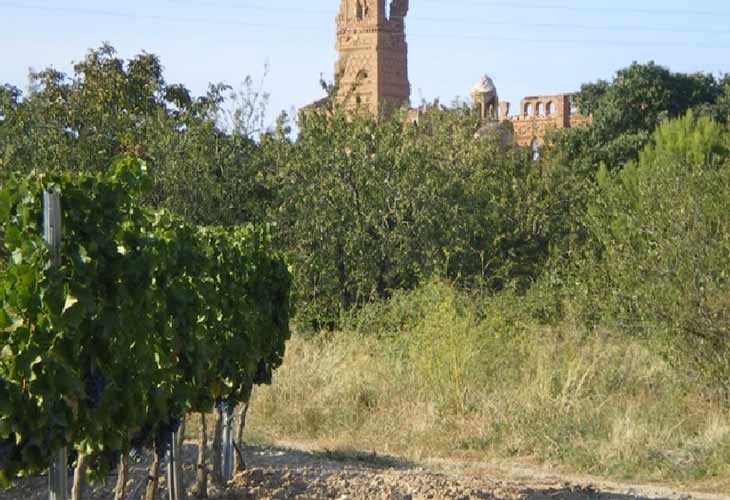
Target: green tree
627, 110
722, 109
204, 167
367, 205
659, 232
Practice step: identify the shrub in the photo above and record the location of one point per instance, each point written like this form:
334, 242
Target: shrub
661, 235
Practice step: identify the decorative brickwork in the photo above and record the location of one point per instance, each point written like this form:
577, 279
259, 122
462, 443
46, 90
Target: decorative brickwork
372, 70
539, 114
536, 116
372, 67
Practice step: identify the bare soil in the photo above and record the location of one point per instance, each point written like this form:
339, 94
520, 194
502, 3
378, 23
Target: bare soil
280, 473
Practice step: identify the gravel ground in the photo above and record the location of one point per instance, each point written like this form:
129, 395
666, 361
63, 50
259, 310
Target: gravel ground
286, 473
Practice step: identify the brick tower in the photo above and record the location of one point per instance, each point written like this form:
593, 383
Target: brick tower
372, 67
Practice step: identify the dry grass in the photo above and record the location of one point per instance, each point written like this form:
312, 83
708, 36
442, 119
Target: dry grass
478, 384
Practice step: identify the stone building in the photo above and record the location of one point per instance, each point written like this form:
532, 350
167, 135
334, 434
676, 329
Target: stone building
536, 116
372, 71
372, 65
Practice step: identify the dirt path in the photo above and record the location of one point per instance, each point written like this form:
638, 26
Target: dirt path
282, 473
286, 473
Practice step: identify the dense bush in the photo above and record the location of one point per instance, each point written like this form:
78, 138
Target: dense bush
660, 232
366, 206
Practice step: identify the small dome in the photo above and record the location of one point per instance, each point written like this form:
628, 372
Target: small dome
485, 85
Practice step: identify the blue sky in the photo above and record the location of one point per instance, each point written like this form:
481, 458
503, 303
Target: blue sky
527, 46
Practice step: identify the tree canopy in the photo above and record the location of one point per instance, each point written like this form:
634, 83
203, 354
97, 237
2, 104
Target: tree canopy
201, 169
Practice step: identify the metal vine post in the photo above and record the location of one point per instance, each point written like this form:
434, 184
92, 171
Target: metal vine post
58, 469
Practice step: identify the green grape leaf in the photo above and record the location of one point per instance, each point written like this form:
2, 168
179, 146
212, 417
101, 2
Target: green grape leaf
71, 301
17, 256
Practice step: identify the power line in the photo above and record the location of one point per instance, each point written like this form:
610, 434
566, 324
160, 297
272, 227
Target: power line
566, 7
587, 27
145, 17
249, 6
474, 20
454, 36
232, 22
573, 41
496, 3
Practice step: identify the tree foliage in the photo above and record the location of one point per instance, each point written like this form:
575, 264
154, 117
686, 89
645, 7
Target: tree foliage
660, 236
203, 150
364, 206
627, 110
368, 205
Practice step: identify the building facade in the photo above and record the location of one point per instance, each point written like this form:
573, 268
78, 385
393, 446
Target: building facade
536, 116
372, 64
372, 71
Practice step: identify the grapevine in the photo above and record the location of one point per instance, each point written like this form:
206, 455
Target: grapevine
147, 318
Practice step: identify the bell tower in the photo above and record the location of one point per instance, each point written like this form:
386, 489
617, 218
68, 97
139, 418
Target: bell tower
372, 65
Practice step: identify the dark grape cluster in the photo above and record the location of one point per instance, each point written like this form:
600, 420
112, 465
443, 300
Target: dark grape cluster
224, 407
263, 373
47, 442
8, 451
94, 384
163, 436
142, 437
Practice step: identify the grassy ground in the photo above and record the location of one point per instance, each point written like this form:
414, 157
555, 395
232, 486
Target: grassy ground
434, 375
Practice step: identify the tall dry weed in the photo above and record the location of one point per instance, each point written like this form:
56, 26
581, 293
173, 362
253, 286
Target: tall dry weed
468, 379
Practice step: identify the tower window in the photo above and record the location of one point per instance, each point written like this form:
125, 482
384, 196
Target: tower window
549, 108
528, 109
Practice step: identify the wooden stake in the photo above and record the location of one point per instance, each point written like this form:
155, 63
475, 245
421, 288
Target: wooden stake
201, 481
240, 464
77, 490
218, 448
153, 478
121, 478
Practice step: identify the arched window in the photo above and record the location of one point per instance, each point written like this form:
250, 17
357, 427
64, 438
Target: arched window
539, 109
549, 108
535, 149
528, 109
